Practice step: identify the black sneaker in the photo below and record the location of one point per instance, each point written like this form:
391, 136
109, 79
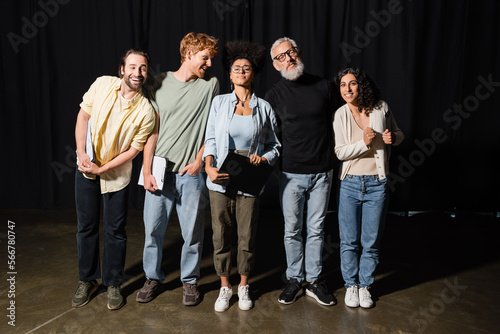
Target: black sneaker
292, 290
319, 291
148, 291
83, 293
115, 298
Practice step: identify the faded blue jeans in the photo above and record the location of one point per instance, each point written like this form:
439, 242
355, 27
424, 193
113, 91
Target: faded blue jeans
297, 192
187, 193
363, 202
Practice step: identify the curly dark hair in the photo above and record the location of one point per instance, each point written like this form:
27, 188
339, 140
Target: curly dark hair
369, 93
235, 50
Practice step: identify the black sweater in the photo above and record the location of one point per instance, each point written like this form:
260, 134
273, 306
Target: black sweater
304, 109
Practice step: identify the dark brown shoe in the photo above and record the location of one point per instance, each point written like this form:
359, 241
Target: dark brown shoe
190, 295
148, 291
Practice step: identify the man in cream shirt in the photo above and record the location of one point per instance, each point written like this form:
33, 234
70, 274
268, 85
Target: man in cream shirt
120, 120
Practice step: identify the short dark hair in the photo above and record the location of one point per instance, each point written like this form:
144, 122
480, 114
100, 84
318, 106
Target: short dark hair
140, 52
369, 93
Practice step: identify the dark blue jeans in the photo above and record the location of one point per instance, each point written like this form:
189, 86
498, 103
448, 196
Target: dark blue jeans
88, 199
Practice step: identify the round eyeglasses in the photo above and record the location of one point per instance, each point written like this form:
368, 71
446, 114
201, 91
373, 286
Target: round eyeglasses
292, 53
238, 69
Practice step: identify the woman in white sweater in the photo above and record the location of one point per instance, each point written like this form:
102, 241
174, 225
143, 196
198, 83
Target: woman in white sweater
364, 131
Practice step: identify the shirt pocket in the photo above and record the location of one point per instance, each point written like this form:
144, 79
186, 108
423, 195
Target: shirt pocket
125, 136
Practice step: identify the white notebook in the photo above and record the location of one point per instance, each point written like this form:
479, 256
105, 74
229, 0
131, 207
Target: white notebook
89, 149
159, 168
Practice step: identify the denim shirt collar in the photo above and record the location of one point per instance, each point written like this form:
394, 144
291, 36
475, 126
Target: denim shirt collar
253, 100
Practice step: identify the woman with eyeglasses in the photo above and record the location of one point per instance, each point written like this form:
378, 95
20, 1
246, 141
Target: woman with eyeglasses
244, 124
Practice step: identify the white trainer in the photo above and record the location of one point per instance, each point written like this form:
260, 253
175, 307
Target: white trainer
245, 303
351, 296
365, 298
222, 303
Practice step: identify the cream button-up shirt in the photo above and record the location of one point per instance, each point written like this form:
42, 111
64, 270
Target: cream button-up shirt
116, 124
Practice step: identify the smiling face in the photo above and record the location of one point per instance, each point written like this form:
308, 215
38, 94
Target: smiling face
243, 78
199, 62
135, 71
292, 67
349, 88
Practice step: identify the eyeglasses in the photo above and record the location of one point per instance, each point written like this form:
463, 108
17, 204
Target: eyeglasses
292, 53
238, 69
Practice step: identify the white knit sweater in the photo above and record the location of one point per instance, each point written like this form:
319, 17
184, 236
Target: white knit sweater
345, 149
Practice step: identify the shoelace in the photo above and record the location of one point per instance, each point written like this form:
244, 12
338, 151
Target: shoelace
224, 294
292, 286
191, 288
114, 291
322, 287
352, 293
364, 293
82, 286
244, 292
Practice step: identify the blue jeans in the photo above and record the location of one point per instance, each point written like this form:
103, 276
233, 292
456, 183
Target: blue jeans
363, 202
88, 206
188, 194
297, 192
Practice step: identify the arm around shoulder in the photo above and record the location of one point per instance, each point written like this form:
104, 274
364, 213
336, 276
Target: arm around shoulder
210, 146
272, 145
397, 135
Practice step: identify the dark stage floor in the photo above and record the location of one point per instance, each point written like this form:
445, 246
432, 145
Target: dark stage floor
437, 275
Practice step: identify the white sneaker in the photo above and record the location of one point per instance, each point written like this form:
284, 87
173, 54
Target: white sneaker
245, 303
365, 298
222, 303
351, 296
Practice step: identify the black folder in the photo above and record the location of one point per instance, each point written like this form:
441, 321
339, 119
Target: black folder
245, 176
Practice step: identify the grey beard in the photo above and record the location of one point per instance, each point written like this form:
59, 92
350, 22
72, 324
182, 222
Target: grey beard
295, 73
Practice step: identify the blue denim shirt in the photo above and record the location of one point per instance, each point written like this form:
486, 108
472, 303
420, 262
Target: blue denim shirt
265, 143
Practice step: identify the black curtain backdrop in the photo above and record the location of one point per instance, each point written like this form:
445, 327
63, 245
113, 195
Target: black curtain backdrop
436, 62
